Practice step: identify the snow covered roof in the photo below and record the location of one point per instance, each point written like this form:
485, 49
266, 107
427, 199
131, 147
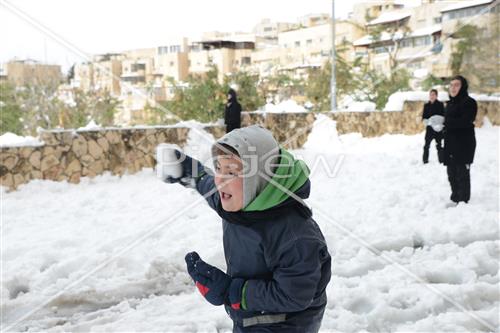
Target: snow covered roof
465, 4
388, 17
426, 31
368, 39
385, 36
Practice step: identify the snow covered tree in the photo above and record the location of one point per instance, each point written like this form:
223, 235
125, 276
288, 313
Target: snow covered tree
10, 110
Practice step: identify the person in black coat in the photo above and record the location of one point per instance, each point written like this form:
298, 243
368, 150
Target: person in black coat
459, 139
432, 108
232, 112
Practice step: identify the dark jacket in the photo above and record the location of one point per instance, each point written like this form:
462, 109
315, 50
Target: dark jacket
433, 109
282, 254
232, 112
459, 137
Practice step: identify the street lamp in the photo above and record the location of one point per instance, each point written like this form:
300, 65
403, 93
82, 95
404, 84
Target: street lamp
333, 82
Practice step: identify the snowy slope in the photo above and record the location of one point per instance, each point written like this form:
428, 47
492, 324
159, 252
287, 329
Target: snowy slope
108, 254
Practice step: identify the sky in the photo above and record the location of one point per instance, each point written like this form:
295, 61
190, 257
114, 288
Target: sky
67, 31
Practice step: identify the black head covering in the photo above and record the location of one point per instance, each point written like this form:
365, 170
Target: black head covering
463, 90
232, 93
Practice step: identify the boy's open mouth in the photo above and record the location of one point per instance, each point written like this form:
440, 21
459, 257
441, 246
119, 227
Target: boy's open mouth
225, 196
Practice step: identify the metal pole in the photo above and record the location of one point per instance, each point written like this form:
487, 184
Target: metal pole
333, 82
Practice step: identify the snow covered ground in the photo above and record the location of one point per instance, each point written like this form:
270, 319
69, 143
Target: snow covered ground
108, 254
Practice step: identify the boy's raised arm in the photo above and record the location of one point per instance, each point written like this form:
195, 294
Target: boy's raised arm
173, 166
206, 187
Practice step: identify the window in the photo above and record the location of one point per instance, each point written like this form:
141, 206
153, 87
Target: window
382, 49
171, 64
464, 12
406, 43
194, 48
414, 65
175, 48
268, 29
297, 44
421, 41
438, 19
309, 42
138, 67
246, 60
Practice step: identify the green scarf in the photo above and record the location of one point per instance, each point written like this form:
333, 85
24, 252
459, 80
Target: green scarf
290, 175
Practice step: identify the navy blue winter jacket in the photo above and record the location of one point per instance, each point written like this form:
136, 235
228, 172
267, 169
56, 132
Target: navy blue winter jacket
282, 254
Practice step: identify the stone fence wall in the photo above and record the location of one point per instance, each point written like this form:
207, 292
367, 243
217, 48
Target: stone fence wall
409, 121
69, 155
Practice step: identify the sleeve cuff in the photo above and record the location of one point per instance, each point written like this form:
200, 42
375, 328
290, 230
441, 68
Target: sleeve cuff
244, 296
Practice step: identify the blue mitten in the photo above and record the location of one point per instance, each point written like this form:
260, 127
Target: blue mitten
216, 286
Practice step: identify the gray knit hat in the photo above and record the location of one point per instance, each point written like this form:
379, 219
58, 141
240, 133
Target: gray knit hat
258, 151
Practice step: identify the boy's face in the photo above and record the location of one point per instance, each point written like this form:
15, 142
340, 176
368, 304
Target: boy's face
229, 182
455, 86
432, 96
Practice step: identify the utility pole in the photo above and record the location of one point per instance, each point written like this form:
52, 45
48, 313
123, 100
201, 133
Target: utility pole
333, 82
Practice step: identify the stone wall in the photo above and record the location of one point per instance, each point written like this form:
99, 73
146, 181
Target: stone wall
69, 155
409, 121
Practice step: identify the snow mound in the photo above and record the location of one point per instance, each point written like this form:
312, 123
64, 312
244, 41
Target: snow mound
12, 140
348, 104
285, 106
324, 136
396, 100
92, 125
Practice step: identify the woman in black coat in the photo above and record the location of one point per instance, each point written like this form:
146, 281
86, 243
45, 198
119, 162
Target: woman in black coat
232, 112
459, 139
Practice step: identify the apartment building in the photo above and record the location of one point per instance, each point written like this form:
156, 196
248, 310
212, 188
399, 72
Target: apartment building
24, 72
482, 13
304, 48
171, 61
229, 54
266, 32
421, 39
363, 12
102, 73
408, 38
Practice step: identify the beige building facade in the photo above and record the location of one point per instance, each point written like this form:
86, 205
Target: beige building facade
25, 72
421, 39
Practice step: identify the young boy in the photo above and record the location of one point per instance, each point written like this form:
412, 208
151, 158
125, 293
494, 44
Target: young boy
278, 265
